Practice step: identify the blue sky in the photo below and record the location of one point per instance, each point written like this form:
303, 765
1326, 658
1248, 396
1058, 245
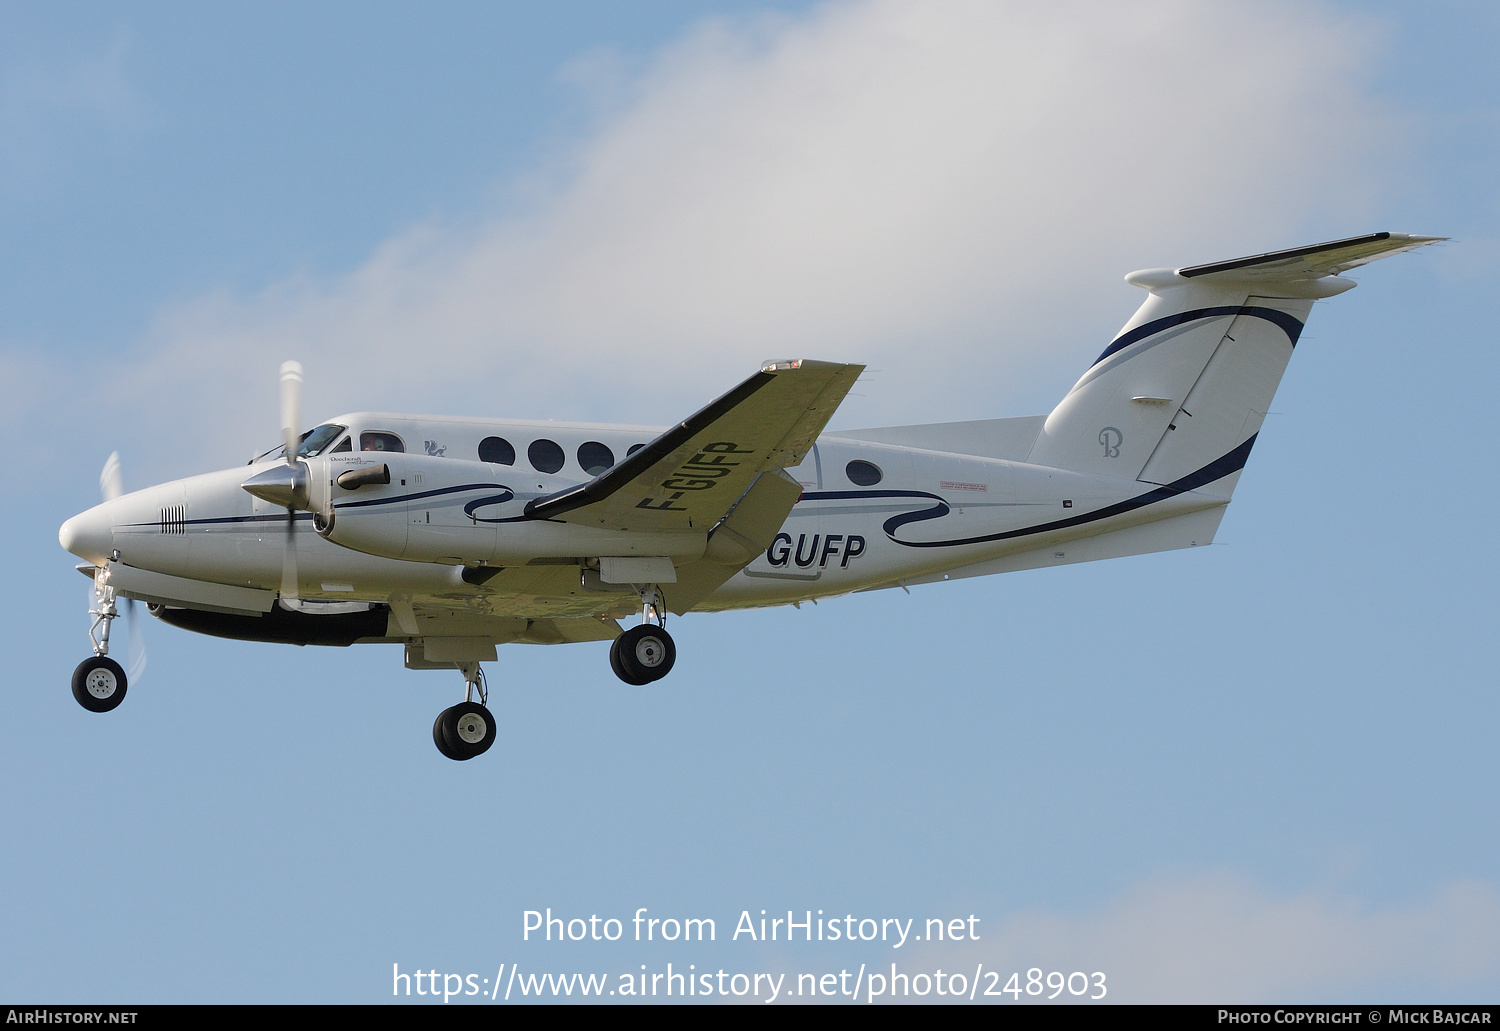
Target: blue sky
1259, 771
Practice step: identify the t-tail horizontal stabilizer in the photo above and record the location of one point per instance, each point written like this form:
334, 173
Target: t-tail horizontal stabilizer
1188, 380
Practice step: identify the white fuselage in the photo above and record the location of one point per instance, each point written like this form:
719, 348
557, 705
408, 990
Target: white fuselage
932, 514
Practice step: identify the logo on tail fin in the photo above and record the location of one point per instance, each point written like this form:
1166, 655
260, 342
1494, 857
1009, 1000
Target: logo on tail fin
1111, 438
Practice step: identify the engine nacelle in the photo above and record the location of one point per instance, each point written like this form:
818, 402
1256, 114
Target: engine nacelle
429, 509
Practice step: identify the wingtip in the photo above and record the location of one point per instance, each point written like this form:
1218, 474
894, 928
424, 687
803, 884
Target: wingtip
789, 364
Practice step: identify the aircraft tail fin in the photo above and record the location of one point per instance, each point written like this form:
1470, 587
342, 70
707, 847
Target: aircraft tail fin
1181, 391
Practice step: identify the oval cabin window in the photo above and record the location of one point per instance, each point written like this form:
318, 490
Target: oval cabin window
546, 455
863, 474
595, 457
497, 451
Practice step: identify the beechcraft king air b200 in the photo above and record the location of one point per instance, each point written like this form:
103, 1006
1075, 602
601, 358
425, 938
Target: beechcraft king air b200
451, 536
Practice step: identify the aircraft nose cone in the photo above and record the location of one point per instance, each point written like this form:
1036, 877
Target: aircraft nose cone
89, 535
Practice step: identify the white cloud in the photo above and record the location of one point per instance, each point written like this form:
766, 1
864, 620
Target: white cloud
946, 191
1219, 938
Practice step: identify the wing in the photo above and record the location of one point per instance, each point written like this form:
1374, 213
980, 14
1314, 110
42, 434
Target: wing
691, 476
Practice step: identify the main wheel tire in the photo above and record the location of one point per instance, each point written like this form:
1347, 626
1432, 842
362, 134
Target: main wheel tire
99, 684
468, 729
646, 652
618, 666
437, 736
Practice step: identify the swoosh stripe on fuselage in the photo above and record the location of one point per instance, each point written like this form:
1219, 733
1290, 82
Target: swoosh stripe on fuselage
1215, 470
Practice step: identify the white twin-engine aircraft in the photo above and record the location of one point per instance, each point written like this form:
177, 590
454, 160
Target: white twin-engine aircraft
451, 536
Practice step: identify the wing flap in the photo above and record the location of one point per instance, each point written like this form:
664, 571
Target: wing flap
688, 478
734, 543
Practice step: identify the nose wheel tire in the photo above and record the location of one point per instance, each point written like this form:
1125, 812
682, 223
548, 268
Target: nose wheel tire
99, 684
464, 731
642, 654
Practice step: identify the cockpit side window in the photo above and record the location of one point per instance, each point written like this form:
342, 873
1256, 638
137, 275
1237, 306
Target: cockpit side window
318, 438
343, 445
380, 440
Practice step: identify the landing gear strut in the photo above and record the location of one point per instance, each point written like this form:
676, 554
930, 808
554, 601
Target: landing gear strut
645, 653
466, 729
99, 682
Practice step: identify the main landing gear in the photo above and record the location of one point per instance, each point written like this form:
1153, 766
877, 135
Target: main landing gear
639, 656
645, 653
466, 729
99, 682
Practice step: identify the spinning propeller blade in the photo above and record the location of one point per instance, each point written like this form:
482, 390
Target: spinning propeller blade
109, 477
289, 558
291, 433
289, 485
291, 408
137, 643
111, 486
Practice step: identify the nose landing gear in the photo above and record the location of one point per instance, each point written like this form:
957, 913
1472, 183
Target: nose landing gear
99, 682
645, 653
466, 729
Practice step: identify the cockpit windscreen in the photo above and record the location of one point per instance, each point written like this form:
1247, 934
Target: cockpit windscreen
314, 441
318, 438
